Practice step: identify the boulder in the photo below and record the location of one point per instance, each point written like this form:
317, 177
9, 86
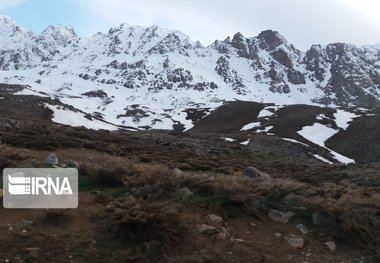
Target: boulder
296, 242
302, 228
214, 218
253, 172
278, 235
184, 192
250, 172
68, 163
51, 159
331, 245
278, 216
177, 172
207, 230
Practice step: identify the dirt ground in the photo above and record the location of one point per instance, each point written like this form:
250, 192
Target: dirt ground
77, 236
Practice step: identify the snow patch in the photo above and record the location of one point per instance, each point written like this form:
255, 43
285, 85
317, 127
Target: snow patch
229, 139
322, 159
250, 126
245, 142
318, 134
77, 119
265, 113
343, 118
295, 141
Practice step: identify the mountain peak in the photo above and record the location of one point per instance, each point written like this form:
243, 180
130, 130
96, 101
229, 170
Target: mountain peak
6, 20
59, 29
59, 34
271, 39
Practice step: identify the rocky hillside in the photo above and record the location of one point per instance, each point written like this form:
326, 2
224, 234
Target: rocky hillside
148, 77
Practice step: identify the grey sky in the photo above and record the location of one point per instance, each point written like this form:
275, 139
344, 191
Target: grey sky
302, 22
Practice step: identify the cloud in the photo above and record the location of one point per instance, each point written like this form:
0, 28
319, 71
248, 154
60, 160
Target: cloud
4, 4
302, 22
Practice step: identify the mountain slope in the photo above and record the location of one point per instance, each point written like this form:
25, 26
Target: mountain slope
146, 77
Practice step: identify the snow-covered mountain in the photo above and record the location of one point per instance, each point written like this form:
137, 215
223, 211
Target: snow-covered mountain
148, 76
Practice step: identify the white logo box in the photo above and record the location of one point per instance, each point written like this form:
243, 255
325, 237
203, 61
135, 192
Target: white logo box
40, 188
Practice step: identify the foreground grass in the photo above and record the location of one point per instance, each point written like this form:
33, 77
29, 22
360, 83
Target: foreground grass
346, 196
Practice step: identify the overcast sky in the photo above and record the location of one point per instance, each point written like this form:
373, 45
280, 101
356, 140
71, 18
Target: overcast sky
301, 22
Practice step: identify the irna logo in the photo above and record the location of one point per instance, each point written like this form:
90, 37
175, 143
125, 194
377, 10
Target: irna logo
39, 185
40, 188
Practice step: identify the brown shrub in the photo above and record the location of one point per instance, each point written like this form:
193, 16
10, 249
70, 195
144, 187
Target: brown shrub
107, 171
137, 222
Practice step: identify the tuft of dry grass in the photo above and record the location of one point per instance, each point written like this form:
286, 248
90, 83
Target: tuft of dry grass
107, 171
157, 224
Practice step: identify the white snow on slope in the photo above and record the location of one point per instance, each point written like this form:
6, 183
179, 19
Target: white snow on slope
265, 113
250, 126
343, 118
322, 158
318, 134
77, 119
245, 142
295, 141
229, 139
341, 158
265, 129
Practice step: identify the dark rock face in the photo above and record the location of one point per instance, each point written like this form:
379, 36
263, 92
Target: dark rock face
316, 61
240, 43
171, 43
296, 77
230, 76
270, 40
353, 79
282, 57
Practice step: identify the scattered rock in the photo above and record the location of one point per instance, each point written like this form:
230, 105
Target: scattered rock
184, 192
279, 216
253, 172
220, 235
331, 245
224, 230
278, 235
177, 172
68, 163
23, 233
51, 159
207, 230
296, 242
250, 172
109, 208
302, 228
214, 218
253, 224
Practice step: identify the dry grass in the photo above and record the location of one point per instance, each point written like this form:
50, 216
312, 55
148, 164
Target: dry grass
157, 224
351, 202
